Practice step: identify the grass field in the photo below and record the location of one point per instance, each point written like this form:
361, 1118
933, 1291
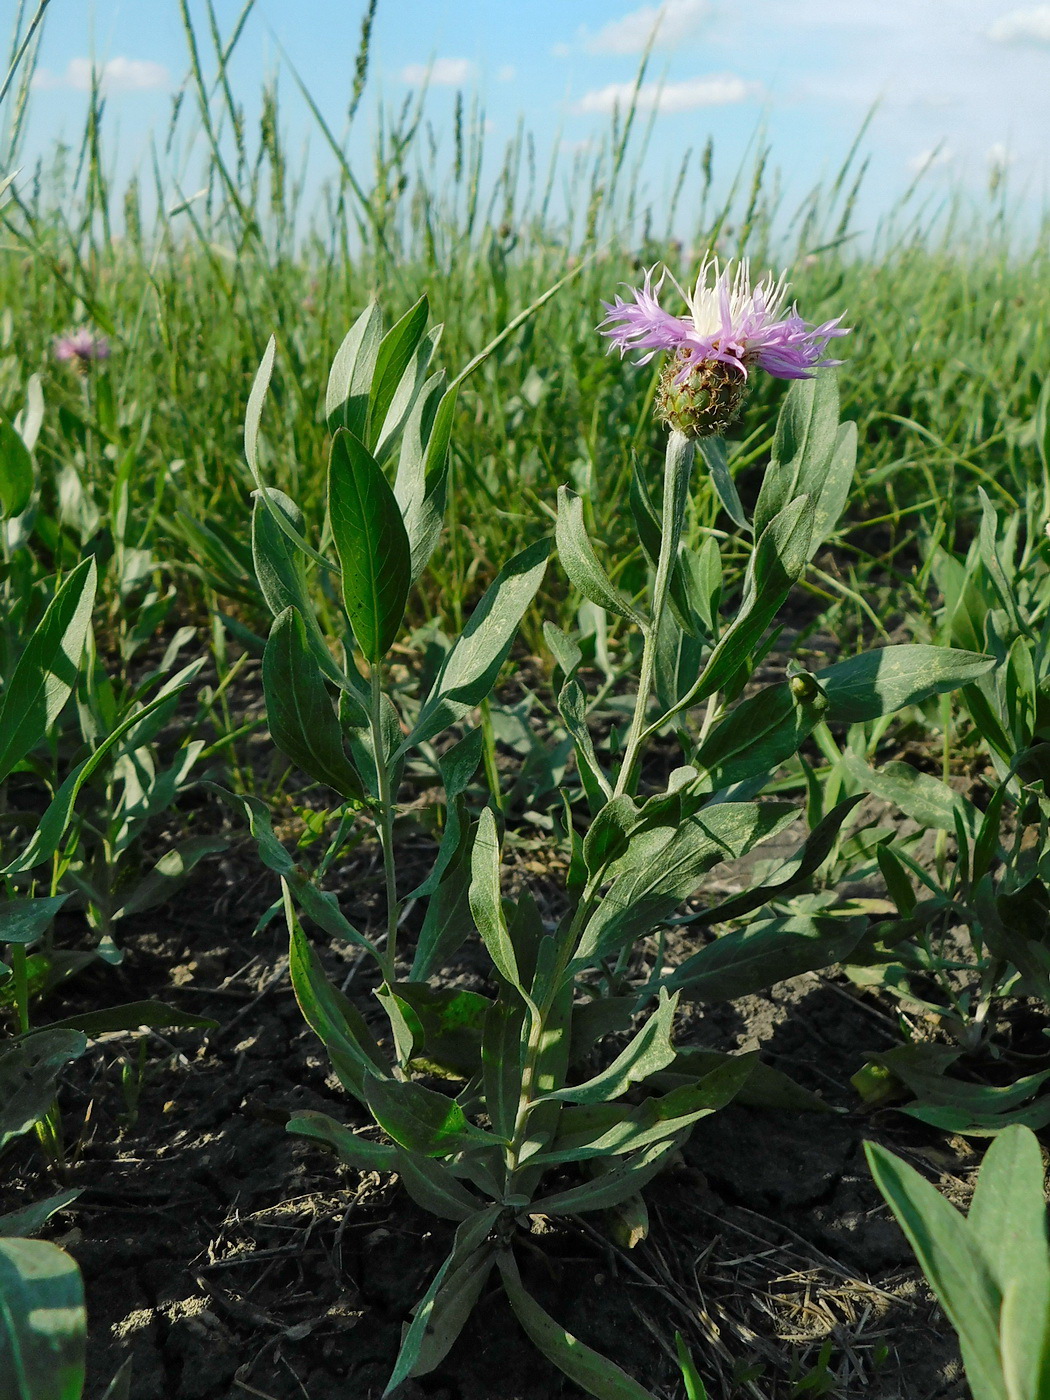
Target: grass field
771, 1255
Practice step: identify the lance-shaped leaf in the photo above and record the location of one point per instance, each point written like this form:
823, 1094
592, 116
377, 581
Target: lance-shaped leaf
580, 562
594, 1374
806, 434
954, 1263
29, 1070
299, 711
52, 825
830, 502
355, 1056
16, 471
885, 680
356, 1151
350, 378
26, 920
647, 1053
713, 451
282, 576
471, 667
486, 899
751, 959
789, 875
47, 669
43, 1323
920, 796
132, 1016
432, 1186
372, 545
622, 1181
393, 361
448, 1302
761, 732
657, 878
423, 1120
29, 1219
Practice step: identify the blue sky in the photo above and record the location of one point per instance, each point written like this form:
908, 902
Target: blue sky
962, 85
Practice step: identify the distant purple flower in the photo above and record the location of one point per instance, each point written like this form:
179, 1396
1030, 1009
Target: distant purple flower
729, 323
81, 346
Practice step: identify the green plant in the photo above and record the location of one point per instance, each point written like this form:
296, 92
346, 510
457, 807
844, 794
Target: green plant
536, 1096
989, 1269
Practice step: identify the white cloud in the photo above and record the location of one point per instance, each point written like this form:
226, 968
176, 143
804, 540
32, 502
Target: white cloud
442, 72
718, 90
115, 75
507, 73
933, 159
1029, 26
679, 21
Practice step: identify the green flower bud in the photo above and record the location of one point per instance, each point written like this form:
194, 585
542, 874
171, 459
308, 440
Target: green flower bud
704, 404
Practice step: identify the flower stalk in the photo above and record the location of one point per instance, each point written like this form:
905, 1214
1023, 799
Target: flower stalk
678, 467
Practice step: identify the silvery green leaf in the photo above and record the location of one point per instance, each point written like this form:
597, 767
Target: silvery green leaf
753, 958
29, 1072
26, 920
643, 896
594, 1374
713, 451
920, 796
614, 1186
356, 1151
879, 682
580, 562
473, 664
29, 1219
350, 378
646, 1053
954, 1264
486, 899
394, 359
423, 1120
447, 1303
803, 446
759, 734
433, 1187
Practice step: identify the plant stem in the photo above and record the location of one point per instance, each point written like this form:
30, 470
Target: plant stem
385, 825
678, 465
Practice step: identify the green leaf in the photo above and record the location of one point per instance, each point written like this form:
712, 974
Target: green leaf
448, 921
299, 711
52, 825
43, 1322
580, 562
920, 796
423, 1120
655, 883
433, 1187
646, 1053
765, 1087
356, 1058
880, 682
780, 556
356, 1151
754, 958
132, 1016
393, 359
806, 434
350, 378
372, 545
952, 1262
47, 669
761, 732
449, 1301
486, 899
502, 1061
713, 451
26, 920
29, 1072
282, 576
652, 1122
790, 874
594, 1374
32, 1218
831, 501
472, 666
608, 836
172, 869
16, 471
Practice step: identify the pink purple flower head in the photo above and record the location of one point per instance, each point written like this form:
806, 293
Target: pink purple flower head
729, 322
81, 346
